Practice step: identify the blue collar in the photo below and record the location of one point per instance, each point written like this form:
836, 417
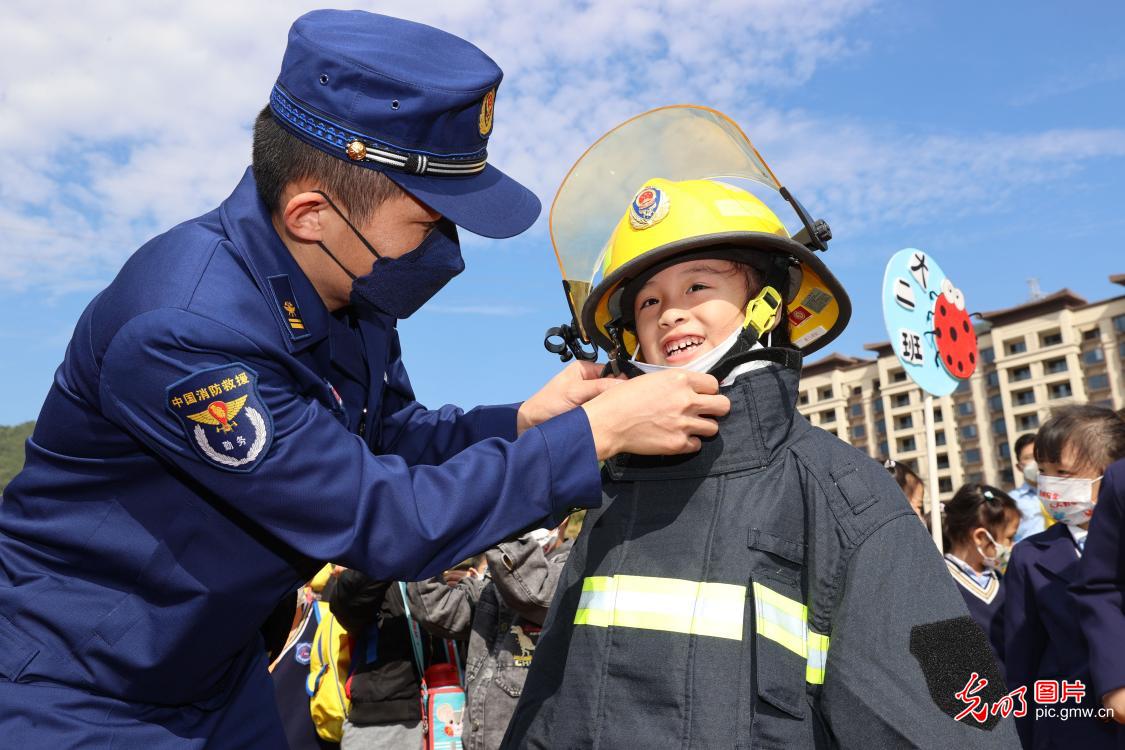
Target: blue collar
304, 320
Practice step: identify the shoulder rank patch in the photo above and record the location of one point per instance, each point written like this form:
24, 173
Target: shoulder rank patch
225, 419
286, 303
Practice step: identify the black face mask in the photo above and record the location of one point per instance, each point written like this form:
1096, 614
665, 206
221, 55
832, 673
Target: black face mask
399, 286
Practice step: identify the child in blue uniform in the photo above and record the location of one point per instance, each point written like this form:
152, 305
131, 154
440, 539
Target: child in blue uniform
980, 523
1042, 637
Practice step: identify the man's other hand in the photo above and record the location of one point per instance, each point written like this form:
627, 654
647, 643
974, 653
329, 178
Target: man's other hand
575, 385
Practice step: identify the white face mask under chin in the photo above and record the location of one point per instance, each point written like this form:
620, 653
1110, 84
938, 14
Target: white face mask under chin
706, 361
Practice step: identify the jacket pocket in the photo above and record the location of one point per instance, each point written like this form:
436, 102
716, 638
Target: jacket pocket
772, 688
16, 651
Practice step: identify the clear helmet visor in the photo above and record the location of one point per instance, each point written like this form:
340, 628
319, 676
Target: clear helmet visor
676, 143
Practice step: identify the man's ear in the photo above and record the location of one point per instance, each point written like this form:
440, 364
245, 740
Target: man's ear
301, 216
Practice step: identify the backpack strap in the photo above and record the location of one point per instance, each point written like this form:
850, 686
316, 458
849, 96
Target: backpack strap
416, 644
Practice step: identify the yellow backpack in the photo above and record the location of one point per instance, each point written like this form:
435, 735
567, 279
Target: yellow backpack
329, 668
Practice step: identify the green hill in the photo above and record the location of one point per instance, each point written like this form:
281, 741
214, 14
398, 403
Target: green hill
11, 450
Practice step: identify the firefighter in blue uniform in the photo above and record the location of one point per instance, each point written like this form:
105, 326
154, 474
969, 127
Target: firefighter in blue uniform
233, 408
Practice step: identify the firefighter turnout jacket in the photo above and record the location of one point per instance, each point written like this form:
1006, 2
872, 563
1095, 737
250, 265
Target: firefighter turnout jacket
772, 591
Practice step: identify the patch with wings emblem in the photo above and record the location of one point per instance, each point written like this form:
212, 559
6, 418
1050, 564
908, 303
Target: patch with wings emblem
225, 419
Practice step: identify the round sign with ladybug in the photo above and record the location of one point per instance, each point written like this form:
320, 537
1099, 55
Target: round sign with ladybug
928, 324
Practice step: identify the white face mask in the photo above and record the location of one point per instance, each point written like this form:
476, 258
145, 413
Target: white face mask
1066, 499
1000, 560
1031, 472
703, 363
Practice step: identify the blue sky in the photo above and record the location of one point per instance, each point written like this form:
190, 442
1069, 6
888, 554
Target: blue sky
989, 134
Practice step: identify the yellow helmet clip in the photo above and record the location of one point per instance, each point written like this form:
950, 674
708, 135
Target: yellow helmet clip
761, 311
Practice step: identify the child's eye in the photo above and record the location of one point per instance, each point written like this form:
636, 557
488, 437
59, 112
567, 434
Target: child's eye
697, 287
647, 302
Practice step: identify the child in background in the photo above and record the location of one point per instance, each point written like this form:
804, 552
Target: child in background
1042, 637
980, 523
911, 485
1101, 588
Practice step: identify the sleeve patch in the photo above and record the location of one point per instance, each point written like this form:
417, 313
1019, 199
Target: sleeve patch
951, 653
223, 416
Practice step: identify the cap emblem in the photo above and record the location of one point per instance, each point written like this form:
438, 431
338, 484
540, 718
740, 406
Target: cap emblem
356, 151
487, 106
650, 206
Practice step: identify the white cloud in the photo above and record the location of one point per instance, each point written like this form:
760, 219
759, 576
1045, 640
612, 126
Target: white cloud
121, 120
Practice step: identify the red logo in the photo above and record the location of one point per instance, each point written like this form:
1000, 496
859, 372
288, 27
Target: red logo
646, 198
798, 315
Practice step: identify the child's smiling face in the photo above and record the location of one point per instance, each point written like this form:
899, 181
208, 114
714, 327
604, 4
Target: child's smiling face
689, 309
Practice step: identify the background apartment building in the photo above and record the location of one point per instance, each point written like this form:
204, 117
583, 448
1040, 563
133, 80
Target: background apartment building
1050, 351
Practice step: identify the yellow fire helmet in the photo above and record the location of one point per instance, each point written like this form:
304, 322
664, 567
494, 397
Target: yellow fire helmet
683, 176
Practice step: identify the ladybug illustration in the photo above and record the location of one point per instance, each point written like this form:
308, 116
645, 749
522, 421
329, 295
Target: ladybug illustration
953, 333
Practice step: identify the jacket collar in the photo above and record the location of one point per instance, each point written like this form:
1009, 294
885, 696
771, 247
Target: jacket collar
763, 403
1058, 554
298, 309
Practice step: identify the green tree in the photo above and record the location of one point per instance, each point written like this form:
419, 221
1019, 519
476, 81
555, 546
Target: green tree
11, 450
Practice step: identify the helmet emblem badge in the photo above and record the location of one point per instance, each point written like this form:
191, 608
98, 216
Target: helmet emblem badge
650, 205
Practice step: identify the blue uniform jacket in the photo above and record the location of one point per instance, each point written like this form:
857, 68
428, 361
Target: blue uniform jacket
152, 531
1042, 640
1100, 590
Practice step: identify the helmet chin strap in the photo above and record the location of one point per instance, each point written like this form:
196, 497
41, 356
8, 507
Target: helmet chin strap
760, 314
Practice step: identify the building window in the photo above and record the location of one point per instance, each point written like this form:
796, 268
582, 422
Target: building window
999, 427
939, 438
1006, 477
1025, 397
857, 410
965, 408
992, 379
884, 449
972, 456
901, 399
1119, 323
937, 414
1061, 389
877, 405
1050, 338
803, 398
1093, 356
898, 376
1027, 422
995, 403
828, 417
1015, 346
1090, 335
943, 460
1004, 450
1097, 382
987, 355
907, 444
825, 393
976, 476
945, 484
963, 387
1017, 374
857, 391
881, 427
859, 432
969, 431
904, 422
1052, 366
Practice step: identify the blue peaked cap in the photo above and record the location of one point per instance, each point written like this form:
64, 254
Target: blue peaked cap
408, 100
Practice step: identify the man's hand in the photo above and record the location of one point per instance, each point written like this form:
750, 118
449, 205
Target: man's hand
659, 414
575, 385
1114, 700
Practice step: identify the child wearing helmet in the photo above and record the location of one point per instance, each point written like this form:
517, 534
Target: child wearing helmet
774, 589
